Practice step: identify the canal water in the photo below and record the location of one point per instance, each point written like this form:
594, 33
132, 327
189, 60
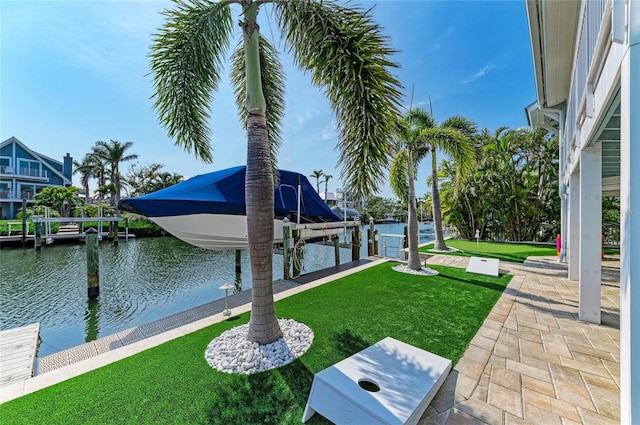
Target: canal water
140, 281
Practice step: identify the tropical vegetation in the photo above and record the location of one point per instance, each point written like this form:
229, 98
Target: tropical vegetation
417, 135
511, 192
143, 179
60, 198
317, 174
172, 383
378, 208
113, 153
345, 54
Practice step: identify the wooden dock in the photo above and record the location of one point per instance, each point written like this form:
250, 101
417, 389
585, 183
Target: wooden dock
18, 349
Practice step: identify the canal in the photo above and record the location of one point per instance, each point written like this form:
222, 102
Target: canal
142, 280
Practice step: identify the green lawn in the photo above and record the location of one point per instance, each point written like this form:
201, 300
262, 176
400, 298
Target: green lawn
514, 252
172, 383
506, 251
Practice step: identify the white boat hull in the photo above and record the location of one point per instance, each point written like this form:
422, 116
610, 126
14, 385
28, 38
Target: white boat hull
221, 232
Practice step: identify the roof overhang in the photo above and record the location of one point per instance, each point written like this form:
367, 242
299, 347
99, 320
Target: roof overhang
542, 117
552, 27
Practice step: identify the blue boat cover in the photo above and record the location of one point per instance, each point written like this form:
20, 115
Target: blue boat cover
222, 192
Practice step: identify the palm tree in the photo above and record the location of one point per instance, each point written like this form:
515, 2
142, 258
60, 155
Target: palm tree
87, 172
417, 135
317, 174
455, 138
326, 185
345, 54
411, 148
114, 153
91, 166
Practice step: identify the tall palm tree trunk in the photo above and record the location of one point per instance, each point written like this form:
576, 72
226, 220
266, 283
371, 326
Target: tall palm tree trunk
412, 223
263, 326
439, 244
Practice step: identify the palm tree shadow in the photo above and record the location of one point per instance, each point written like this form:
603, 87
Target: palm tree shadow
299, 379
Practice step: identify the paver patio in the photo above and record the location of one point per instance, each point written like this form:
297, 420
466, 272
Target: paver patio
533, 361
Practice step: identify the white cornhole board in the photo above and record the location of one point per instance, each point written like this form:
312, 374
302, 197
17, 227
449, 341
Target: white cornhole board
407, 376
486, 266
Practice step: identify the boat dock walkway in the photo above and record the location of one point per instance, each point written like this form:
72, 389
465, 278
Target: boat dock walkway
18, 348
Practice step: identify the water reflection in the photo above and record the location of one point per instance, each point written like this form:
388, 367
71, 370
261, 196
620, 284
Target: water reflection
237, 283
91, 317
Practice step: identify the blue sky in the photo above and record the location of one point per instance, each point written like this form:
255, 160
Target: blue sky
74, 72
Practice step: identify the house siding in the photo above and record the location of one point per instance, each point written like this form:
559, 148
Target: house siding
24, 172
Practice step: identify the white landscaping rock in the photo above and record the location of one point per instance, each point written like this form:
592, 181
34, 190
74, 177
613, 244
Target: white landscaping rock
231, 352
425, 271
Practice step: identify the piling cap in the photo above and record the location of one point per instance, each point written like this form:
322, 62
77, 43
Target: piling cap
91, 230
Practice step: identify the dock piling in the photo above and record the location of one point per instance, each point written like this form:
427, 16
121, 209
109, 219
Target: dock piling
25, 229
336, 249
375, 242
355, 244
37, 240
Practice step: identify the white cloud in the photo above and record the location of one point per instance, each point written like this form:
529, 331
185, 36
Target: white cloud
481, 73
440, 40
330, 132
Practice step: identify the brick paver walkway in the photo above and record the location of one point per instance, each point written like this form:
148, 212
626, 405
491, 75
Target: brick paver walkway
533, 361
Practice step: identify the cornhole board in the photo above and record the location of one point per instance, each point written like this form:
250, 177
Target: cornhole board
486, 266
407, 378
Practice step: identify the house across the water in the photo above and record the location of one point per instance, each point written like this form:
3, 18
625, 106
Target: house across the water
23, 173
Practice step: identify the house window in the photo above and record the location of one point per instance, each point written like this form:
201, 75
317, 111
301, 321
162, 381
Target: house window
27, 167
5, 165
5, 190
26, 191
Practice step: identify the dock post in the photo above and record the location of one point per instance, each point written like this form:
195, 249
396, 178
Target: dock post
116, 230
371, 236
38, 237
286, 253
297, 254
355, 243
25, 229
375, 242
110, 231
126, 229
93, 264
406, 238
336, 249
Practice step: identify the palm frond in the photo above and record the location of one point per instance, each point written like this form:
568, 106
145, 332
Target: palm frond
398, 176
273, 87
453, 143
348, 57
464, 125
419, 118
186, 58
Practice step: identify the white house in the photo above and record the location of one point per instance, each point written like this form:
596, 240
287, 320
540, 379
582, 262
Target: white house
586, 57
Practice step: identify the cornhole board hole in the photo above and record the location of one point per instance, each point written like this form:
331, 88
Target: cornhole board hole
390, 382
486, 266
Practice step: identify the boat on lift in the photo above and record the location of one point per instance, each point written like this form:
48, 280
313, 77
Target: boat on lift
209, 210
